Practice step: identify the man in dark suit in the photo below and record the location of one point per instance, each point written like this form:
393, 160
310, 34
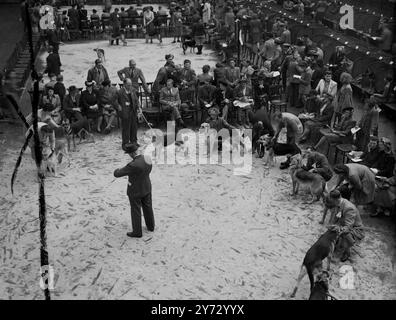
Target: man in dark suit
128, 104
139, 189
224, 97
53, 62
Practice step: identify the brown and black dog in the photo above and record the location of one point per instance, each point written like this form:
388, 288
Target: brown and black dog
313, 260
315, 182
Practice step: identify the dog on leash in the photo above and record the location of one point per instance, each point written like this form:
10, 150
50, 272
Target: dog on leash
70, 135
313, 260
188, 42
320, 290
315, 182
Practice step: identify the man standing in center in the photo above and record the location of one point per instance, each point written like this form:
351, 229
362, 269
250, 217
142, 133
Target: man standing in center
139, 189
128, 104
135, 74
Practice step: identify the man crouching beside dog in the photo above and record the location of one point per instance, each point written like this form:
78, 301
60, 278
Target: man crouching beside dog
344, 214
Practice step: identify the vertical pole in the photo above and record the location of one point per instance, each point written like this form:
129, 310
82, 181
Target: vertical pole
37, 150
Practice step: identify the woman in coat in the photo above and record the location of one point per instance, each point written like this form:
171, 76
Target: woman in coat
385, 195
361, 181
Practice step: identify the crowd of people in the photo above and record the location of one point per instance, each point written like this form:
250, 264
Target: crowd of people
229, 95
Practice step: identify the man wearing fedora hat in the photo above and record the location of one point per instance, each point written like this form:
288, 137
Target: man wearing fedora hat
135, 74
89, 104
139, 189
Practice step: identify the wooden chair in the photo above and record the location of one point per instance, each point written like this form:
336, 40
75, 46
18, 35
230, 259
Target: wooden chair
343, 149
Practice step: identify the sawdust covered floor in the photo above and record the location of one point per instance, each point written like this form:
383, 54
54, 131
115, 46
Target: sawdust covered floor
218, 236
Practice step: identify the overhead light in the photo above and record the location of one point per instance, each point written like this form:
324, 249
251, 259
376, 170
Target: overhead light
338, 39
368, 52
346, 42
380, 58
357, 47
391, 62
307, 24
332, 35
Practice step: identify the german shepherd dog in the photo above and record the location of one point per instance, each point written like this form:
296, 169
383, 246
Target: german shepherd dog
70, 135
299, 176
313, 260
188, 42
320, 290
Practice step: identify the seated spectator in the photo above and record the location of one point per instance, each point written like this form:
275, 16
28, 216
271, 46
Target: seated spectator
59, 88
349, 221
54, 100
341, 134
72, 111
386, 39
216, 122
206, 97
170, 101
51, 83
386, 95
243, 93
94, 15
89, 105
285, 36
370, 157
205, 77
107, 102
368, 124
361, 181
385, 195
385, 163
71, 104
327, 86
247, 70
268, 52
318, 163
224, 97
321, 120
261, 91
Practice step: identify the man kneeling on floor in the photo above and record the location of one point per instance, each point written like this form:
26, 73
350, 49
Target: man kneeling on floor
347, 216
139, 189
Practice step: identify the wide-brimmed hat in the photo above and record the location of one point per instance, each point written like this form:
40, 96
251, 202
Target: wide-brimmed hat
72, 88
169, 56
131, 147
89, 83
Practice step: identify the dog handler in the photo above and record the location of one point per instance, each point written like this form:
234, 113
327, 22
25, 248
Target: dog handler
139, 189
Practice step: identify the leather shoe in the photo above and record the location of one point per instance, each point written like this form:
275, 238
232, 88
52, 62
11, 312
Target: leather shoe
133, 235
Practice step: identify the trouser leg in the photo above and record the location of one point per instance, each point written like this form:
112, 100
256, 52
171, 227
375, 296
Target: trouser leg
125, 123
133, 128
148, 212
136, 215
225, 112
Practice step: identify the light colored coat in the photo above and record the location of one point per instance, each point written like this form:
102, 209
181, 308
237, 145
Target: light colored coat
362, 180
